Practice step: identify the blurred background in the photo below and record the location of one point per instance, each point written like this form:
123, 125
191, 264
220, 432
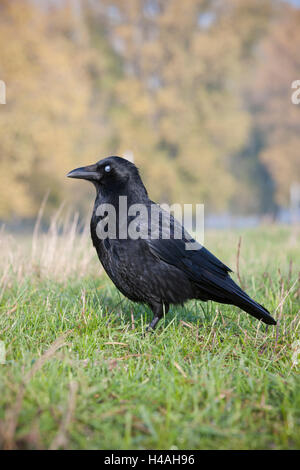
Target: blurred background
198, 92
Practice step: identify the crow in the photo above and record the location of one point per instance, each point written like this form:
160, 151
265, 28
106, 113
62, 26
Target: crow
153, 268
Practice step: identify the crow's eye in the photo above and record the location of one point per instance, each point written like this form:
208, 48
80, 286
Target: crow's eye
107, 168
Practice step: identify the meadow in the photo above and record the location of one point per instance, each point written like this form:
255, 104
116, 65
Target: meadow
82, 373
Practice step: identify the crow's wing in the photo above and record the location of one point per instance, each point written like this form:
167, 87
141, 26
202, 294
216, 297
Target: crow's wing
196, 263
205, 270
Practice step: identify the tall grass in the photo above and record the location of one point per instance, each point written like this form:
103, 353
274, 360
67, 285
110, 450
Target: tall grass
61, 252
81, 373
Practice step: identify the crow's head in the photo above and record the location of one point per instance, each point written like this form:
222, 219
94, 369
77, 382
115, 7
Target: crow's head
110, 173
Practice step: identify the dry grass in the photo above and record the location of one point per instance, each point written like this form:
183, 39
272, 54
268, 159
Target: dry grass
62, 252
81, 373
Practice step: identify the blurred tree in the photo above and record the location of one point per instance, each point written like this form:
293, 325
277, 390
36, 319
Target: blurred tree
276, 117
181, 107
48, 124
195, 89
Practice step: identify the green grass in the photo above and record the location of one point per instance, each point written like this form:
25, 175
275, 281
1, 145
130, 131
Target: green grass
211, 377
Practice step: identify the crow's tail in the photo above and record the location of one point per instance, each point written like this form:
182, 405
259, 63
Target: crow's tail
243, 301
226, 291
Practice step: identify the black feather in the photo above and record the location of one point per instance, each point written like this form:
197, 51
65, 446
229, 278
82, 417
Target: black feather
157, 271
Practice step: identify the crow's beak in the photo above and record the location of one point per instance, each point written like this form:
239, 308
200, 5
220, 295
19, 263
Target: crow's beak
85, 173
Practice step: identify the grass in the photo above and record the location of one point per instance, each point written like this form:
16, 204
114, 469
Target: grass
81, 373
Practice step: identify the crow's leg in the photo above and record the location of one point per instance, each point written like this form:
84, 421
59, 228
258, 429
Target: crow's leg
158, 312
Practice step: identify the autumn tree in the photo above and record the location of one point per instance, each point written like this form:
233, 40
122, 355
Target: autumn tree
198, 90
276, 118
180, 107
48, 125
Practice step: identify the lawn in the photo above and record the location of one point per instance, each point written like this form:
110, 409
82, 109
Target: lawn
82, 373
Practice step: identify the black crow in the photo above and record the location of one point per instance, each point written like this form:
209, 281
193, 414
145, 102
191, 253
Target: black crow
153, 268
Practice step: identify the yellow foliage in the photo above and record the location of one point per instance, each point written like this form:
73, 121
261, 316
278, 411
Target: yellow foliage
167, 80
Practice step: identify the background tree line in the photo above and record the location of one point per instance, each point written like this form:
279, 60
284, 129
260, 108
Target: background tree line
198, 90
